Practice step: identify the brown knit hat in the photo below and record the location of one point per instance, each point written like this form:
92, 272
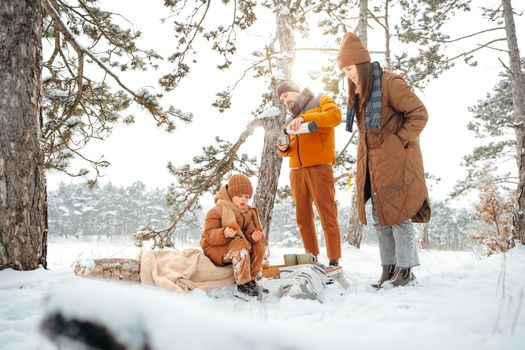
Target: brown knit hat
239, 184
286, 86
352, 51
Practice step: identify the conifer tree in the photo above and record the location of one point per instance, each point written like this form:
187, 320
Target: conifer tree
494, 120
45, 123
423, 23
85, 90
273, 63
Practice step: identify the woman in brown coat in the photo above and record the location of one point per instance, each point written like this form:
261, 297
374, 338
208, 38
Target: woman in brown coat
389, 117
233, 235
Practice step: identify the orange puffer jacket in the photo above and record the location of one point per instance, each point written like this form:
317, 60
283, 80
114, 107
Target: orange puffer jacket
315, 148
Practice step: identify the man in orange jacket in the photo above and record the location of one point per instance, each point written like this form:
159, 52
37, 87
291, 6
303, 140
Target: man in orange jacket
311, 158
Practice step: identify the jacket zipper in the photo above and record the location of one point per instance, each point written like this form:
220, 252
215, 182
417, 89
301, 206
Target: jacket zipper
298, 151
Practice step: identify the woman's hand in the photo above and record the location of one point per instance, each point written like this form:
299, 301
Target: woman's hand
229, 232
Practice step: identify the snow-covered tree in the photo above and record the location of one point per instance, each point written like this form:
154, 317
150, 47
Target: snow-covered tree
494, 118
449, 227
105, 210
284, 228
81, 51
423, 22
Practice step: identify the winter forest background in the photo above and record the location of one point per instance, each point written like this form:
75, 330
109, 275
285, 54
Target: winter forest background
469, 134
108, 211
119, 120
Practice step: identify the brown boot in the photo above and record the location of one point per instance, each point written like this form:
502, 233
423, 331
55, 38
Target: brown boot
388, 273
402, 276
333, 263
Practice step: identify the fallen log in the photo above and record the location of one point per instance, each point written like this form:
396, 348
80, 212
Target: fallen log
114, 268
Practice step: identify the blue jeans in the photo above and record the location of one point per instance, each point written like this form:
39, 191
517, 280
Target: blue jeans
397, 243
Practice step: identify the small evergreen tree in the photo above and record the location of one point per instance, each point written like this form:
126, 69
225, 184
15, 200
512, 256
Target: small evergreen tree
494, 118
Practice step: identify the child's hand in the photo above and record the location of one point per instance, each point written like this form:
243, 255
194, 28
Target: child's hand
257, 235
229, 232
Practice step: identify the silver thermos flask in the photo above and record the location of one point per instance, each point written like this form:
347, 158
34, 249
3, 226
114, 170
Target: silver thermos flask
307, 127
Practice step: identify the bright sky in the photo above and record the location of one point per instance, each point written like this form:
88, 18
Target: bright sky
140, 152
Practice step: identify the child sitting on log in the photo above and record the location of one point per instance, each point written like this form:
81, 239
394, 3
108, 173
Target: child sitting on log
233, 235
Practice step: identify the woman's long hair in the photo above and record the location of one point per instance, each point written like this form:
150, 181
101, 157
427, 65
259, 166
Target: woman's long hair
365, 77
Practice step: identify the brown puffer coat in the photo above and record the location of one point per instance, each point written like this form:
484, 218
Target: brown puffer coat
213, 242
393, 157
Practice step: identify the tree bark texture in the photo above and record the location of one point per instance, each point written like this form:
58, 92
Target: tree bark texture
271, 162
362, 24
23, 217
518, 96
113, 268
424, 236
387, 37
354, 230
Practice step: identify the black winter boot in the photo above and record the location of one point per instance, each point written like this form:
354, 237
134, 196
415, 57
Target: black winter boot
254, 286
388, 273
402, 276
243, 291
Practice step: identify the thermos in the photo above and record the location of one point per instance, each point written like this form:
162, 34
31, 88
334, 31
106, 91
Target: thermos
284, 139
303, 129
308, 127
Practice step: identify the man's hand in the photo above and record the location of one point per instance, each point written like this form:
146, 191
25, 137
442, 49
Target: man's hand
281, 147
229, 232
257, 235
296, 123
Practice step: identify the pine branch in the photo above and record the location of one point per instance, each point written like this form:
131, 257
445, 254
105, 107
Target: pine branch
143, 99
464, 54
222, 167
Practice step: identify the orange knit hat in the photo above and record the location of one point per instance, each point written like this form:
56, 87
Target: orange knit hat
239, 184
352, 51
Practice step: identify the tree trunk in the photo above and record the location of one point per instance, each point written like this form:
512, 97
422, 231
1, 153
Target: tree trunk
354, 231
424, 236
387, 37
269, 172
518, 96
362, 25
23, 216
271, 162
112, 268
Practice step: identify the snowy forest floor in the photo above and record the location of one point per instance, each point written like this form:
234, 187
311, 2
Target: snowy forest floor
462, 301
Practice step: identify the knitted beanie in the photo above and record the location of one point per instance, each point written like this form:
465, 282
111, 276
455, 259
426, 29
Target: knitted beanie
286, 86
239, 184
352, 51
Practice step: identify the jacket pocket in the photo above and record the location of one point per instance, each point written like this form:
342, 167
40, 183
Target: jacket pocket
403, 141
393, 146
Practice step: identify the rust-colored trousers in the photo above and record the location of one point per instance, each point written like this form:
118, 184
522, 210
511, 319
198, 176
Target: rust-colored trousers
246, 260
315, 184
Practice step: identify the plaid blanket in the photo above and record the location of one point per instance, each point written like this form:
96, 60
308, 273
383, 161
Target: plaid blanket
302, 281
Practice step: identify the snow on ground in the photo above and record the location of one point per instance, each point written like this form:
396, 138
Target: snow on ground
462, 301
